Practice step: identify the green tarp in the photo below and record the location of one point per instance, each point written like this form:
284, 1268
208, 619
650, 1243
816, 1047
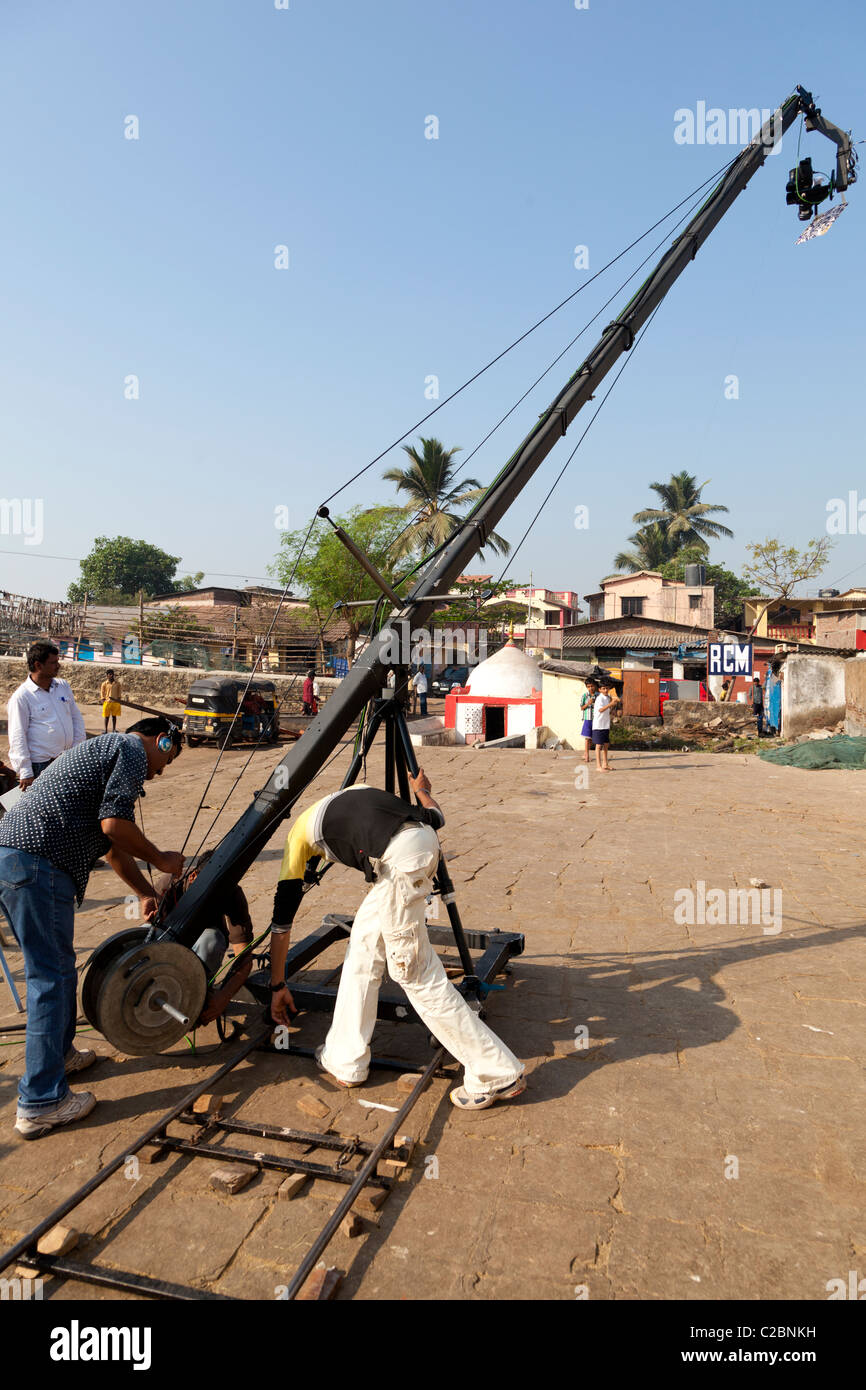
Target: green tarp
820, 754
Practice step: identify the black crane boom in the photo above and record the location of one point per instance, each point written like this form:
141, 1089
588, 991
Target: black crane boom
274, 802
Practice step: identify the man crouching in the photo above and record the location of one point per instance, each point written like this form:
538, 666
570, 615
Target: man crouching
396, 847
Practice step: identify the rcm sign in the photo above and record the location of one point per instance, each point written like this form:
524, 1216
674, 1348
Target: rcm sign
729, 659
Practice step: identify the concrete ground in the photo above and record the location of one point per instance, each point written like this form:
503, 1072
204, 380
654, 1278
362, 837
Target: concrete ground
693, 1126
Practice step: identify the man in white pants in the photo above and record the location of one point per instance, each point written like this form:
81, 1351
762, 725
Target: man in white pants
396, 846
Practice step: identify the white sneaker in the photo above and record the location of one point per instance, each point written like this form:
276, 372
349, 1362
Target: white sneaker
78, 1061
74, 1106
464, 1100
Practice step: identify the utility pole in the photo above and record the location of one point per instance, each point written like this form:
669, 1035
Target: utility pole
235, 640
141, 627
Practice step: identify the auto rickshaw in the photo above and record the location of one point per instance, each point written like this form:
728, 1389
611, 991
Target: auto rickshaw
212, 711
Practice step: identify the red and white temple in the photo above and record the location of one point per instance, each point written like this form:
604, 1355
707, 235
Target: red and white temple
502, 697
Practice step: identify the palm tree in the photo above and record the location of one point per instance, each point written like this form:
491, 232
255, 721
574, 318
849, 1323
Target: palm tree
682, 515
434, 496
652, 549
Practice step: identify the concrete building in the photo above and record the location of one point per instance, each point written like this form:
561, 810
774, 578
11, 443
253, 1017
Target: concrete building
828, 618
648, 594
543, 607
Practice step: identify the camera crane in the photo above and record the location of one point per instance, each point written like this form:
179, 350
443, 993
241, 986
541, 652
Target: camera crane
144, 988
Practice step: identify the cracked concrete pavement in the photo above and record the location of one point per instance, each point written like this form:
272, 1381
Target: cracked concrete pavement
693, 1125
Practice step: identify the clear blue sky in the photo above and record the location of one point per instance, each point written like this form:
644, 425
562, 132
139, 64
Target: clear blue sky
408, 257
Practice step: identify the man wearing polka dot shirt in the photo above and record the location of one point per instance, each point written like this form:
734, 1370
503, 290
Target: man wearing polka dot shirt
81, 808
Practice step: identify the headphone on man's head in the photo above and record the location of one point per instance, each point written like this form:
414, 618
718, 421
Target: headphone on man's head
165, 743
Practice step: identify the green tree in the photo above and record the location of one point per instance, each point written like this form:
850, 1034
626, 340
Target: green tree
730, 590
330, 575
684, 518
652, 550
470, 606
435, 497
777, 569
118, 567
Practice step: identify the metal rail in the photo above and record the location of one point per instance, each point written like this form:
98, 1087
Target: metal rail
155, 1130
25, 1252
329, 1230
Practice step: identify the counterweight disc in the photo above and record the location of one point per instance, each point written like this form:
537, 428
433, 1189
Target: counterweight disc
129, 1008
100, 963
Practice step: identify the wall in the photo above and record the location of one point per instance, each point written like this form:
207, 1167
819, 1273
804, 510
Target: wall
560, 703
149, 685
855, 697
813, 693
679, 714
838, 629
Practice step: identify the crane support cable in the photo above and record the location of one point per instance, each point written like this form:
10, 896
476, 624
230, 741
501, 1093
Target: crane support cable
468, 518
526, 334
304, 760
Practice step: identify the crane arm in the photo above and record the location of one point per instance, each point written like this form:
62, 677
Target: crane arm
242, 844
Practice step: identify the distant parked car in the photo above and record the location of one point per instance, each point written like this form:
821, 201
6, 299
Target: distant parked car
452, 675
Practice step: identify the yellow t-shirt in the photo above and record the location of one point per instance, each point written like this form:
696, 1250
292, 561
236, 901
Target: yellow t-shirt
110, 690
299, 845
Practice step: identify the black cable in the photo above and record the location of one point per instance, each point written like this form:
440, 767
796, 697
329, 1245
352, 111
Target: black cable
283, 596
528, 332
595, 416
465, 520
286, 693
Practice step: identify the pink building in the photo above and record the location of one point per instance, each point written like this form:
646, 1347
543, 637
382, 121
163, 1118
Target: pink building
648, 595
544, 607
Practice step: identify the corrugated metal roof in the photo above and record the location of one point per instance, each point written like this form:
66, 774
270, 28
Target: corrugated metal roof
644, 641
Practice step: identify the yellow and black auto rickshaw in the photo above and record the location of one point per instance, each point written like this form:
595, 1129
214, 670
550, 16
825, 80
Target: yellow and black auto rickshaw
212, 711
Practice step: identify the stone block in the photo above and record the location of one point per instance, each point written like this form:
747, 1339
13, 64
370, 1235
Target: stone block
231, 1180
58, 1241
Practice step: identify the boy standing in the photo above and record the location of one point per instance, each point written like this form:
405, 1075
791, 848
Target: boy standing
587, 701
111, 694
601, 725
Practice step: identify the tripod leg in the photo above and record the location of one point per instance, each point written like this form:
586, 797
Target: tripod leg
358, 761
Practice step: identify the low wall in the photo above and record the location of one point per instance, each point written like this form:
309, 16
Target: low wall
813, 693
855, 697
151, 685
715, 718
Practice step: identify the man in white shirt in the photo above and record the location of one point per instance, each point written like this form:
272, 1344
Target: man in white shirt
44, 720
419, 687
601, 725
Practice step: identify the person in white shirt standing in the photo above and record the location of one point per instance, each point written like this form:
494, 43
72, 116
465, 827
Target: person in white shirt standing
601, 725
44, 720
419, 687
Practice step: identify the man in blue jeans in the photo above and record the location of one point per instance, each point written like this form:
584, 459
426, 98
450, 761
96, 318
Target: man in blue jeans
81, 808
